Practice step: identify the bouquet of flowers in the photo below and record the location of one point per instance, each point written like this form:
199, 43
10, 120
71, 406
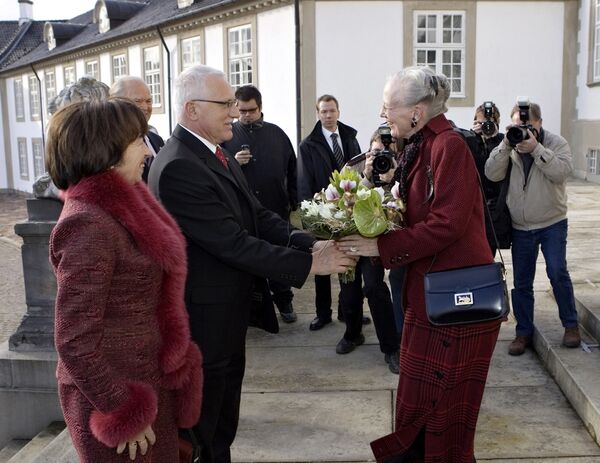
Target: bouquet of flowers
348, 207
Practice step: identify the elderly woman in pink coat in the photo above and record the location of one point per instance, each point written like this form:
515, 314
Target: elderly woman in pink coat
128, 373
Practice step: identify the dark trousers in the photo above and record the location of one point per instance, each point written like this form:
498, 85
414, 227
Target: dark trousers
397, 276
380, 303
323, 296
282, 294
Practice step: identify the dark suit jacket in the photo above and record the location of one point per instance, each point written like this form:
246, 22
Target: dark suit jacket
157, 143
230, 238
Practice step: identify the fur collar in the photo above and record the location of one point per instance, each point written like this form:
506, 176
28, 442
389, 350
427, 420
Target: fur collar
133, 206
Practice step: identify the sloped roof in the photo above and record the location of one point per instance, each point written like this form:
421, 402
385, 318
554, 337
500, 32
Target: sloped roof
17, 40
154, 13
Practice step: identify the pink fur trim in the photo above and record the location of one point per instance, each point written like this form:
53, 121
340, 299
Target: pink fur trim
188, 399
130, 418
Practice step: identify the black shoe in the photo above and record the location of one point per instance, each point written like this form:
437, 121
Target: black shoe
393, 361
345, 346
366, 320
287, 312
319, 323
340, 316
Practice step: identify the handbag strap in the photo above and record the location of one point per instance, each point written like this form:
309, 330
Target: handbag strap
195, 445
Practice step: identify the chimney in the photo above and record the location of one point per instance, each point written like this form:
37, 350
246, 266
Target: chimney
25, 11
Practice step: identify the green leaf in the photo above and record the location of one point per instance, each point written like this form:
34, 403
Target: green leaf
369, 217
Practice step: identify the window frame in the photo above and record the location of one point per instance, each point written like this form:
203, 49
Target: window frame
69, 66
19, 99
191, 35
37, 142
469, 9
90, 61
23, 159
33, 97
114, 55
46, 88
156, 108
593, 77
247, 21
593, 159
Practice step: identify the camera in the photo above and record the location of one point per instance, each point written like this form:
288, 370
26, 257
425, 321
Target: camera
517, 133
383, 160
488, 127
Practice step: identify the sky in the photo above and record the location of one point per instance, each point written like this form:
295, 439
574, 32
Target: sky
46, 9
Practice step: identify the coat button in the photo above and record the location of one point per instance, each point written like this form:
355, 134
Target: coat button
392, 260
438, 374
446, 343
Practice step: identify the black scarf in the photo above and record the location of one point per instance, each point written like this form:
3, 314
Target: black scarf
407, 159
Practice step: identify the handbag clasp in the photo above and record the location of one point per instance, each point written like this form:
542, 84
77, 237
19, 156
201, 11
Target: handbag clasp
463, 299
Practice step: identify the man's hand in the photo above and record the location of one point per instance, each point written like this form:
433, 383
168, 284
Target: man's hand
328, 259
243, 157
527, 146
143, 440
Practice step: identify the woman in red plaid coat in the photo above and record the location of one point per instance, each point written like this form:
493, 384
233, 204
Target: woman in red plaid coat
128, 373
443, 369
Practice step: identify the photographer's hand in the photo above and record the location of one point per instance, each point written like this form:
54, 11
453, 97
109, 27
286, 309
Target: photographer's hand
528, 145
368, 170
388, 177
476, 127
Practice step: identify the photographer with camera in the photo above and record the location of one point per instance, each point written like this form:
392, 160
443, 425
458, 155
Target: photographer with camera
483, 137
537, 200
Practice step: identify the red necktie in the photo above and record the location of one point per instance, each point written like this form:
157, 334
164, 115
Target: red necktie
221, 157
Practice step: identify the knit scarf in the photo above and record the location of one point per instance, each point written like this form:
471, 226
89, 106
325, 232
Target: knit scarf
407, 159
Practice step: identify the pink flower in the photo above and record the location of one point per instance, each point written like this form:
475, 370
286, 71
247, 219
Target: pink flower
347, 185
331, 193
396, 191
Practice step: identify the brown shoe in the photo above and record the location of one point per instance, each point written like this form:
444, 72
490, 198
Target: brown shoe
517, 347
572, 338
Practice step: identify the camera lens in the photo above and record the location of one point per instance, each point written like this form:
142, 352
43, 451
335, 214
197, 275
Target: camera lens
382, 163
516, 135
488, 128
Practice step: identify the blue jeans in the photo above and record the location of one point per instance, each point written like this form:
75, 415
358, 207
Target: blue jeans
525, 250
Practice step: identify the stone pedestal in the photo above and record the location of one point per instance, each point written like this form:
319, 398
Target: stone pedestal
36, 331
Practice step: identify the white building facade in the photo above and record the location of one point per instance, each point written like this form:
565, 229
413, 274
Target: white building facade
491, 50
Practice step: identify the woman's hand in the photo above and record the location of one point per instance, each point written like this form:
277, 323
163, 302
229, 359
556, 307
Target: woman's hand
356, 245
143, 440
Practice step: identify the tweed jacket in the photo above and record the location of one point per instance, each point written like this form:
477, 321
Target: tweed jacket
121, 328
443, 370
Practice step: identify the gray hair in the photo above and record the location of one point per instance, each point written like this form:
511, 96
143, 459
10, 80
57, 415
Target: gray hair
119, 88
420, 84
85, 89
191, 84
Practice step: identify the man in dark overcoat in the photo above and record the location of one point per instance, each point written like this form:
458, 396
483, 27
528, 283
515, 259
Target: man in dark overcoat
231, 240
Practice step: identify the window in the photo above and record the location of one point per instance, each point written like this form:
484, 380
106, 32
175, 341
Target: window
23, 164
191, 52
38, 157
34, 99
596, 41
50, 39
240, 55
19, 103
69, 73
184, 3
439, 42
92, 69
50, 82
592, 161
152, 73
119, 66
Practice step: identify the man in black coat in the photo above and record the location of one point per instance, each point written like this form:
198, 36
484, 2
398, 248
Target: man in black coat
269, 165
231, 240
135, 89
327, 148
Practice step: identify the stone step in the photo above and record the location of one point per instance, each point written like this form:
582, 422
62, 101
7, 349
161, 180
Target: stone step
575, 370
35, 446
587, 299
60, 450
11, 449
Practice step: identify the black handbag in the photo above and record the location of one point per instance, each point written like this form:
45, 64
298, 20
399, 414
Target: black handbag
467, 295
189, 448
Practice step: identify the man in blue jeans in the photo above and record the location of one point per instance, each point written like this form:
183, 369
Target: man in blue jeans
537, 200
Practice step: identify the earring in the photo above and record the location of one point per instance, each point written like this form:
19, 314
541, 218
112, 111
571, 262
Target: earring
413, 122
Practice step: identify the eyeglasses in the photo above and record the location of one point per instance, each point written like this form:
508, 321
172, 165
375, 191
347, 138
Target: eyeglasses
248, 111
227, 103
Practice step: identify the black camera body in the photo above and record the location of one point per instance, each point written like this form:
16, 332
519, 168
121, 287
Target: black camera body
488, 127
383, 160
517, 133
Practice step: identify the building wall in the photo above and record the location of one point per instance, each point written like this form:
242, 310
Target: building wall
586, 126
